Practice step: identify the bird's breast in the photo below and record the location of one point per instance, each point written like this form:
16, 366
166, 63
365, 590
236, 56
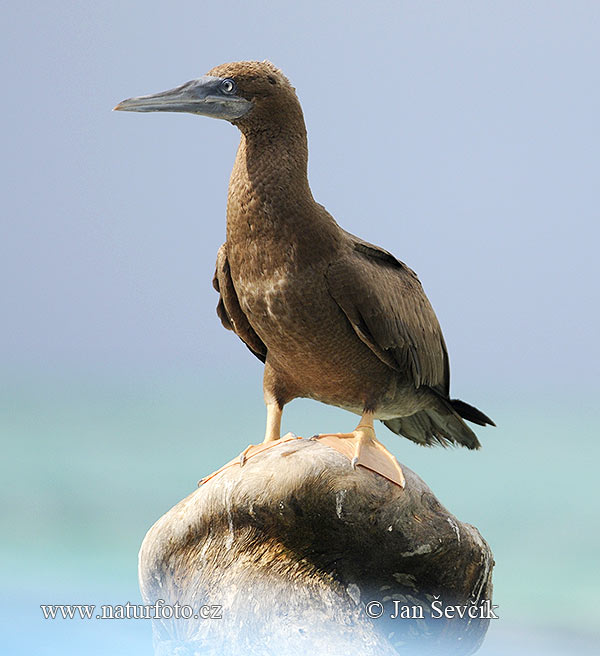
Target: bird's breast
280, 303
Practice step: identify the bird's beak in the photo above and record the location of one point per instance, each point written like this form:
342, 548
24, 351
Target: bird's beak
202, 96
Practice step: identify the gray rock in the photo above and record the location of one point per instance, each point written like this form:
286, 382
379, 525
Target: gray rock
291, 549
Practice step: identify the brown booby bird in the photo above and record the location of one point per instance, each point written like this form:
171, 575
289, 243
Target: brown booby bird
333, 317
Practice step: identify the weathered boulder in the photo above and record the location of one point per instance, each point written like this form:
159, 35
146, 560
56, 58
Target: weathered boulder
296, 552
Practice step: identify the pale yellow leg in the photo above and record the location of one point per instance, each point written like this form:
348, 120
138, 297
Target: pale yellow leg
272, 438
363, 448
273, 430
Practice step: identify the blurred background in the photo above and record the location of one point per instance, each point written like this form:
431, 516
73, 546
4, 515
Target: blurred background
461, 136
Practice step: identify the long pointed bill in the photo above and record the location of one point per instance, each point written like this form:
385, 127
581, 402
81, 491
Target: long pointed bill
202, 96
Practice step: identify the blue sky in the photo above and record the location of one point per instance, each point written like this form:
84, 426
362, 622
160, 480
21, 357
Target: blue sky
461, 136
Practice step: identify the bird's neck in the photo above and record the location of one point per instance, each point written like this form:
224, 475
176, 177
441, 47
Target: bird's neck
269, 187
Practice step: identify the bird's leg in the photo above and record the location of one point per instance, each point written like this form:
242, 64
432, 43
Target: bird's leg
272, 432
363, 448
273, 429
274, 412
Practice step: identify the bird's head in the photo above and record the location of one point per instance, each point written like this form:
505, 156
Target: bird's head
248, 94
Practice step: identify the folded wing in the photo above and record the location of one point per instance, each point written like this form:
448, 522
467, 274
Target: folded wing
229, 310
387, 307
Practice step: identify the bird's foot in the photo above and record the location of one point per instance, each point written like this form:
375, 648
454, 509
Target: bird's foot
250, 451
244, 454
361, 447
253, 449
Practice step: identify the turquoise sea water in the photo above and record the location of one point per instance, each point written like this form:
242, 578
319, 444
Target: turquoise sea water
89, 464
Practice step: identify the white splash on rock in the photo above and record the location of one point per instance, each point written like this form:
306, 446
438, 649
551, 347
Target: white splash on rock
354, 593
406, 579
423, 549
339, 500
455, 527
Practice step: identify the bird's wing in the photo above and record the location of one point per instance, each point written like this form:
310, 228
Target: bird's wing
387, 307
229, 310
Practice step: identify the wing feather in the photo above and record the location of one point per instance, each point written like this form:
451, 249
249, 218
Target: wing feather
387, 307
229, 310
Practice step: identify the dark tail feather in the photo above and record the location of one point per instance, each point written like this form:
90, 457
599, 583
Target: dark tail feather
470, 413
440, 426
441, 423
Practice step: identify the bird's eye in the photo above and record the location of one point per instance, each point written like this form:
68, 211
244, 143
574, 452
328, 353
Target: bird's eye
228, 86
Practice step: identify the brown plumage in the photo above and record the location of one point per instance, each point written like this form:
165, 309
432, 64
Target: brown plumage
333, 317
